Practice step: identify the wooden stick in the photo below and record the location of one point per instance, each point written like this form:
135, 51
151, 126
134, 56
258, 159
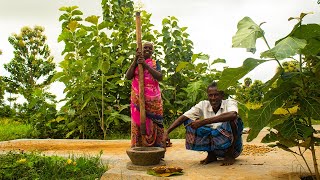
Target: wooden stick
141, 78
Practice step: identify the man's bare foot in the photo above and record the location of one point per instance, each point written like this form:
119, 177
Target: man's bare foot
228, 161
210, 158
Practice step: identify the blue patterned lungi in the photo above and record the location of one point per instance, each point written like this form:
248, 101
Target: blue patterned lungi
217, 140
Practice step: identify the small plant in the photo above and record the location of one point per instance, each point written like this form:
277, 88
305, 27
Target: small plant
38, 166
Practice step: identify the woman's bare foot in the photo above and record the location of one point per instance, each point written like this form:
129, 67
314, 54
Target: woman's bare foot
210, 158
228, 161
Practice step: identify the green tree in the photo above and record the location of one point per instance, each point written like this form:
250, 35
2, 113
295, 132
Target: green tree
250, 93
97, 55
31, 69
185, 80
94, 65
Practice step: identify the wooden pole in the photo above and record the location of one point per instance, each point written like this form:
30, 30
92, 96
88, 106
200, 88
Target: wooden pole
141, 78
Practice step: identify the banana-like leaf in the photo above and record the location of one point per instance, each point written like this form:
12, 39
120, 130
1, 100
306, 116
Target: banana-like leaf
230, 76
288, 47
247, 34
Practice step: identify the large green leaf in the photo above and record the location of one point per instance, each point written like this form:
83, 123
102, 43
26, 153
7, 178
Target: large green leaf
293, 129
269, 83
261, 117
312, 48
243, 111
310, 108
288, 47
307, 31
230, 76
247, 34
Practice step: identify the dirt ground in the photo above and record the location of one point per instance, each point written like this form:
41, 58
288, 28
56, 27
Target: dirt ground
257, 161
66, 146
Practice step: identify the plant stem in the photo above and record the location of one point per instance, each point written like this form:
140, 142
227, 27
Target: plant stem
304, 159
315, 164
265, 40
102, 109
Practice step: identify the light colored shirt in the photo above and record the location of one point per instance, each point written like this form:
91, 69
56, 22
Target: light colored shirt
204, 110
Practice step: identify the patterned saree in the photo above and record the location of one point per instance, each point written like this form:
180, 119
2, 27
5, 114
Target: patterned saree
153, 108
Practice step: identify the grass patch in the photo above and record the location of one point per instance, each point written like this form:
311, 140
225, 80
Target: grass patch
10, 129
38, 166
117, 135
178, 133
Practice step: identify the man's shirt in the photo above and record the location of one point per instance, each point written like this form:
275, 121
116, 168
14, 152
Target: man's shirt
204, 110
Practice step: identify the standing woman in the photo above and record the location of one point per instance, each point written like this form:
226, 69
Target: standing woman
153, 101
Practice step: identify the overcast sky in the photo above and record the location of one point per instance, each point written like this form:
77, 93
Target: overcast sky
211, 23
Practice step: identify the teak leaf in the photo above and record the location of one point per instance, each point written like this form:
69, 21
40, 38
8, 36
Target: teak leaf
230, 76
288, 47
247, 34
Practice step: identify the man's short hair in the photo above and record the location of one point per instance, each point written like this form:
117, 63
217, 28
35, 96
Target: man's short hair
214, 84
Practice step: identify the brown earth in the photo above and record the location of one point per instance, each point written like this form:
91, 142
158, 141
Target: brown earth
257, 161
66, 146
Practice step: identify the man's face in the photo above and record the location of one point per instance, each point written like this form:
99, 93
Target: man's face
215, 97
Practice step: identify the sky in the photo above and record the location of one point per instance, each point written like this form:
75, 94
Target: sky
211, 25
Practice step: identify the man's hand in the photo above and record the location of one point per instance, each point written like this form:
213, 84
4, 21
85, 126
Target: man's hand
166, 139
196, 124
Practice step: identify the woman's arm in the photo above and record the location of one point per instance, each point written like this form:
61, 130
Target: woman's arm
155, 74
134, 64
130, 72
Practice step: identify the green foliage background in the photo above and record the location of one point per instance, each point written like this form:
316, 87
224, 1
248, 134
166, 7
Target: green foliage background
97, 53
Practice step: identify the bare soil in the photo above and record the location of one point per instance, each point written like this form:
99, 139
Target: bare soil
66, 146
257, 161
